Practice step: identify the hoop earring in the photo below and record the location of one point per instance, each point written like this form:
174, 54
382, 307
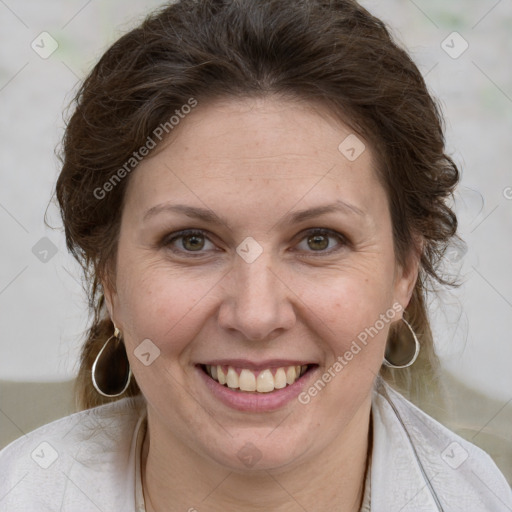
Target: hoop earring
416, 351
111, 372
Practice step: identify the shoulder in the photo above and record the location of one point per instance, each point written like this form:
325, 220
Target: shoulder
447, 471
68, 457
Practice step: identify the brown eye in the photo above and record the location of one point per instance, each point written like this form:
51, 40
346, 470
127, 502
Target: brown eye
318, 242
193, 242
324, 241
187, 242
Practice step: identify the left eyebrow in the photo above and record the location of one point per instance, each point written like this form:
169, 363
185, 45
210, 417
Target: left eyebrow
337, 207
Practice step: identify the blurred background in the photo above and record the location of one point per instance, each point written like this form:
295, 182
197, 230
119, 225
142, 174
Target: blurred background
464, 49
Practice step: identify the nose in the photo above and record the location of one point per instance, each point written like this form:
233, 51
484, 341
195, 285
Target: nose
257, 303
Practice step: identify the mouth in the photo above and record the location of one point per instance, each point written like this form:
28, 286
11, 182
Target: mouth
256, 381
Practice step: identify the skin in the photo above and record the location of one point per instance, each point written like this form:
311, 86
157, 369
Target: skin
253, 162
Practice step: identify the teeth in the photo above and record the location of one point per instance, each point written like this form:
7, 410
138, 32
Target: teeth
232, 378
264, 382
280, 379
291, 374
247, 381
221, 376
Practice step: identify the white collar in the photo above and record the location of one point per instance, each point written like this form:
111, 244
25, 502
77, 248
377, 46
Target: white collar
412, 464
418, 465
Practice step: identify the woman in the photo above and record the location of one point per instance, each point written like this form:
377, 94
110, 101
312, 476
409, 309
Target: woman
257, 194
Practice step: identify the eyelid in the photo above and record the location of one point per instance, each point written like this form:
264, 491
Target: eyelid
172, 237
342, 239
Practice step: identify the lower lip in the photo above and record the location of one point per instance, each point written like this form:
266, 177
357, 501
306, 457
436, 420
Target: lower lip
253, 401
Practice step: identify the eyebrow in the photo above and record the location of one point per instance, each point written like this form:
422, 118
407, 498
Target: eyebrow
209, 216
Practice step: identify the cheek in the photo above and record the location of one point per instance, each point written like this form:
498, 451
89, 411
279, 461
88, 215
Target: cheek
348, 302
361, 333
159, 304
352, 315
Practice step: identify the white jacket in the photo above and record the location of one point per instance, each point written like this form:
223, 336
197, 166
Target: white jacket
90, 461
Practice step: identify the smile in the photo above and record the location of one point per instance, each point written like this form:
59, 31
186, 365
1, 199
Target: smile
256, 387
260, 381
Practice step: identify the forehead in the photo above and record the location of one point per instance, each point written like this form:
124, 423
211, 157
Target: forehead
270, 151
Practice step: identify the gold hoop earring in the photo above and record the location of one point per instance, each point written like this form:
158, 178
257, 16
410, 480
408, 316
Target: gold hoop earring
111, 372
406, 364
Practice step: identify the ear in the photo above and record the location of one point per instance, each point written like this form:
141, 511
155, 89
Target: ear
406, 276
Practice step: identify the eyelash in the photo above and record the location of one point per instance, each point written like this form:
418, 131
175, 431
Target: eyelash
170, 239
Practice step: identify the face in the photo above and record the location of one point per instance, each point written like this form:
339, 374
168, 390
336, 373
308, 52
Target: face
252, 243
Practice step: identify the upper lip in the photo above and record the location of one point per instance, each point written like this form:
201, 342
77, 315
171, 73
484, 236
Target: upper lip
256, 366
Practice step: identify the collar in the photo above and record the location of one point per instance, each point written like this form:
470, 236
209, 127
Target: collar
415, 465
421, 466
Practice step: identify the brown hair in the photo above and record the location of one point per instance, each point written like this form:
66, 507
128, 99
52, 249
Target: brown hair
328, 51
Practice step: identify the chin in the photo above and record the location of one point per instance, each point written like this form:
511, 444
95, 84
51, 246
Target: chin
250, 451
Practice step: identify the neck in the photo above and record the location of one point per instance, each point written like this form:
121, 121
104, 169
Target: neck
332, 480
